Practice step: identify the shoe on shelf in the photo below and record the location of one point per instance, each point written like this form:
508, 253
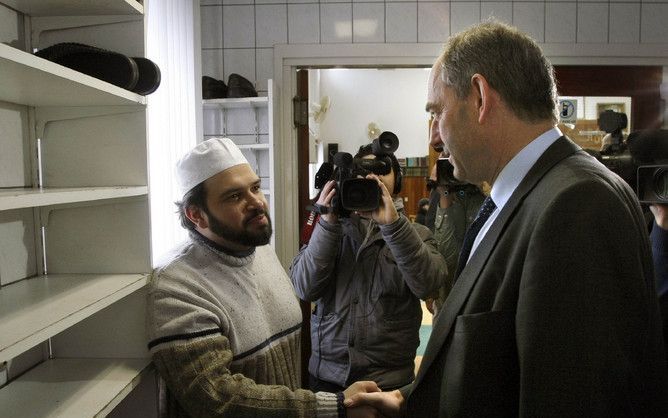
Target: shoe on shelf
149, 76
102, 64
213, 88
240, 87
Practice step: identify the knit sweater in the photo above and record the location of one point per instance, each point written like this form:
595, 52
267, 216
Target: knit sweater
224, 335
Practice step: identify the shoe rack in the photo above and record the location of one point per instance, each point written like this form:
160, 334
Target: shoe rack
249, 122
74, 218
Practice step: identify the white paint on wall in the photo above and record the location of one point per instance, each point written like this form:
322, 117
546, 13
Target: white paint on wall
393, 98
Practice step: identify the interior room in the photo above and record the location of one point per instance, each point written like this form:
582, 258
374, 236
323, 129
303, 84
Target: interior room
87, 167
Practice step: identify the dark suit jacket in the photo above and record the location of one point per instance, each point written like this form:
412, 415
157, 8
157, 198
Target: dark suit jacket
555, 315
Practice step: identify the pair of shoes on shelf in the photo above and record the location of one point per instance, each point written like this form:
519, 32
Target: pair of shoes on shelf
137, 74
237, 86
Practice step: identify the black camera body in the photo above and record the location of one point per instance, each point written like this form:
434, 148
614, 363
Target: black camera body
354, 193
641, 160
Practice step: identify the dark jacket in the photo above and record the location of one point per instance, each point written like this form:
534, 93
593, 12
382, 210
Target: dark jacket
555, 314
367, 282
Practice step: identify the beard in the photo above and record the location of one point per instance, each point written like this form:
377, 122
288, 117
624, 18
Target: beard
243, 236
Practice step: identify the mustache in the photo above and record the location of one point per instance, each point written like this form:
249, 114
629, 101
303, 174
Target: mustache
255, 214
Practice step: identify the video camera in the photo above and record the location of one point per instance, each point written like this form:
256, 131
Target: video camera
641, 160
445, 179
355, 193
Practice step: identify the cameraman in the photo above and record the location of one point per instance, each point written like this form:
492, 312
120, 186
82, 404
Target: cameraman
453, 207
659, 239
366, 274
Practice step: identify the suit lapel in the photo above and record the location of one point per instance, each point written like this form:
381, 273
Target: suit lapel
453, 305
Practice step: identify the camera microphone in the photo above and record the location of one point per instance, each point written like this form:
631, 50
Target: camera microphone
343, 159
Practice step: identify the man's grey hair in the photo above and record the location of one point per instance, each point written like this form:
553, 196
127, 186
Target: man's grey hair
511, 62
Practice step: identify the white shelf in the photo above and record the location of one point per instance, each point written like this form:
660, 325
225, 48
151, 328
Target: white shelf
72, 388
242, 102
34, 81
26, 198
36, 309
76, 7
253, 146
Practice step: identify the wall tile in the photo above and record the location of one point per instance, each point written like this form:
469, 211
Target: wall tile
238, 26
654, 27
271, 24
433, 21
592, 23
368, 1
560, 21
270, 2
212, 63
336, 25
624, 23
499, 10
210, 2
236, 2
265, 67
463, 15
303, 23
240, 61
212, 26
368, 22
401, 22
530, 17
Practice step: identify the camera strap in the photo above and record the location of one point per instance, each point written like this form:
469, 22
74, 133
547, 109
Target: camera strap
309, 225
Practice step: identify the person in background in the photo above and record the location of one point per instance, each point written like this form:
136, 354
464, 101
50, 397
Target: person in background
223, 320
423, 207
366, 273
659, 239
456, 206
554, 311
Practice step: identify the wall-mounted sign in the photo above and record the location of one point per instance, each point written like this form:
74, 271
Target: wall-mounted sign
568, 111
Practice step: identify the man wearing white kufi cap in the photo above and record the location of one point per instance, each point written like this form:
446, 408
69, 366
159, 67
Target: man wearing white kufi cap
223, 321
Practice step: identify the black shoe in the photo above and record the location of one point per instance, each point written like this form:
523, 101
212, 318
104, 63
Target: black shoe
240, 87
108, 66
149, 76
213, 89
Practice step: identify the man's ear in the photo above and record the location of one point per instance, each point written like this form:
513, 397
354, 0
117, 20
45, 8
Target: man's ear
483, 96
197, 216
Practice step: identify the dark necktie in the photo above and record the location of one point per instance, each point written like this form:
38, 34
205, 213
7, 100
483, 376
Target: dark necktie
485, 210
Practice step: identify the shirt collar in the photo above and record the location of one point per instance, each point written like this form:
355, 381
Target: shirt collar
515, 171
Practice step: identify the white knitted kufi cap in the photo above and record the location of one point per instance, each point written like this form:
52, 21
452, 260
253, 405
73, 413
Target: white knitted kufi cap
206, 160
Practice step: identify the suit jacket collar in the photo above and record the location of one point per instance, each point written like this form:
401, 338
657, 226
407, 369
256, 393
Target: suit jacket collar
444, 321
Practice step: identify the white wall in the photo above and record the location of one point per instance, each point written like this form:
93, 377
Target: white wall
393, 98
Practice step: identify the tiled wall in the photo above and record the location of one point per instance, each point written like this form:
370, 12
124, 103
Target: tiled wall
238, 35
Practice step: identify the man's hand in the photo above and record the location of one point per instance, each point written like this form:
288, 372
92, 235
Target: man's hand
361, 411
325, 200
386, 212
660, 214
388, 404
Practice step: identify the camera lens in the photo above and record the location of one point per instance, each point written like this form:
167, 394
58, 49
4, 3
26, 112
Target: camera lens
661, 183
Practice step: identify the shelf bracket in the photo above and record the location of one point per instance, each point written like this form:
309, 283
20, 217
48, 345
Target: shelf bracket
50, 23
44, 115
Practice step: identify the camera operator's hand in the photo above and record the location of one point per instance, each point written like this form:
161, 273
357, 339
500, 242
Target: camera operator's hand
325, 199
386, 212
660, 214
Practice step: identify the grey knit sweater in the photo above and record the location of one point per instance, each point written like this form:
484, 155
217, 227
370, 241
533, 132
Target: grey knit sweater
224, 333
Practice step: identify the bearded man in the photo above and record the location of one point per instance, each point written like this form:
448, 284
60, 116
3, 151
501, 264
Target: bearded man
224, 323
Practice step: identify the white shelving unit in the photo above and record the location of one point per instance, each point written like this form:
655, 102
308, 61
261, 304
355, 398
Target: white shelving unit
74, 218
249, 122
